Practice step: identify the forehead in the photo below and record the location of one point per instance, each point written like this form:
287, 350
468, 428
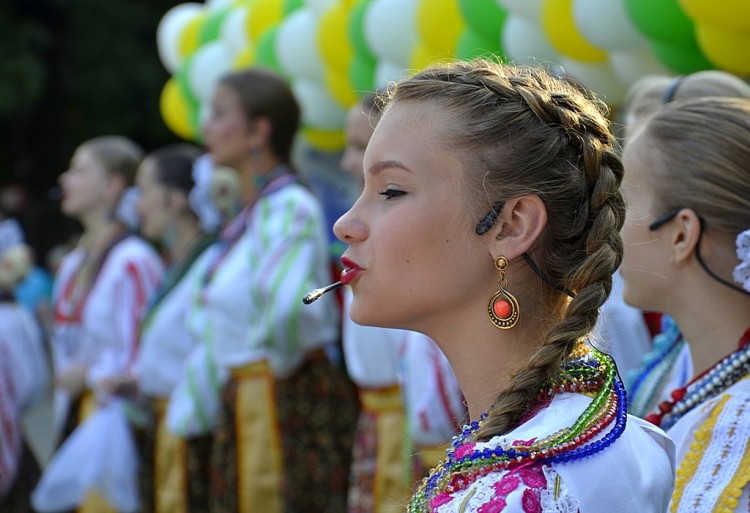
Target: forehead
410, 132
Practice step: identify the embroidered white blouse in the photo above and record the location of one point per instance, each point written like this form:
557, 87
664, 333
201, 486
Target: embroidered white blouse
104, 336
634, 474
713, 454
24, 374
249, 308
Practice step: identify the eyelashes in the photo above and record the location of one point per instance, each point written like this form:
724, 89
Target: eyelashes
392, 193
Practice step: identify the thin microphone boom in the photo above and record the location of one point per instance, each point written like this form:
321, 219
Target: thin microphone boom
313, 296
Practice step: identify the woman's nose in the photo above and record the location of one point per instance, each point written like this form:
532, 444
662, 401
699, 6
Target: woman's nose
349, 227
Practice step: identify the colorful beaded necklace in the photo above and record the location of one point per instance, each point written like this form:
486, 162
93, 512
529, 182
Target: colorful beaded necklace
647, 383
710, 383
588, 372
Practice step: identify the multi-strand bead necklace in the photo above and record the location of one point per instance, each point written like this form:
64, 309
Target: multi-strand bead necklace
588, 372
711, 383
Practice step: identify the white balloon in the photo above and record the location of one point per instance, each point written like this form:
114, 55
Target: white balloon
597, 76
296, 46
525, 43
529, 9
387, 72
318, 108
390, 28
168, 33
631, 66
606, 24
206, 66
233, 32
319, 6
217, 5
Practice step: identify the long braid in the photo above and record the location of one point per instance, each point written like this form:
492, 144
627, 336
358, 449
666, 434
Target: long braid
563, 151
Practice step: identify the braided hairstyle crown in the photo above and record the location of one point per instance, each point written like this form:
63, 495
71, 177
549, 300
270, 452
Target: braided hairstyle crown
519, 131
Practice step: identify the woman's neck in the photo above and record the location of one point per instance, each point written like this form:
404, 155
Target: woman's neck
484, 358
252, 168
97, 231
186, 232
712, 323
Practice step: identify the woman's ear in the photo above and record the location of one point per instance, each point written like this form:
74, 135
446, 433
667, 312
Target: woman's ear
259, 132
519, 225
683, 235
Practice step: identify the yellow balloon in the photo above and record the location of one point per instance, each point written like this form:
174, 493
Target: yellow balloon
439, 25
731, 14
721, 46
244, 59
189, 38
324, 140
263, 15
333, 38
340, 88
559, 26
175, 110
422, 56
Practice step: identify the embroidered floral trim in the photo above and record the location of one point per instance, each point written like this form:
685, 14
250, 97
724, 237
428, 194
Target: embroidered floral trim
729, 500
555, 497
689, 465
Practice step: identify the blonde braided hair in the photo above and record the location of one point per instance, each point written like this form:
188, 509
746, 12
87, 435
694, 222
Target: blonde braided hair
521, 131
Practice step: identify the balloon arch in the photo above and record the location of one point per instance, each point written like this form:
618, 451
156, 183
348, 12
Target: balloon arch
333, 51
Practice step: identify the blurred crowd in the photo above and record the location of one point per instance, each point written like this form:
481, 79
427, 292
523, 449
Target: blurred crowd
162, 359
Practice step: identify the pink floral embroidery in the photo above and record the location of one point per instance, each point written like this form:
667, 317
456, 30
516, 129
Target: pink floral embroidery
506, 485
533, 477
530, 502
495, 505
464, 450
439, 500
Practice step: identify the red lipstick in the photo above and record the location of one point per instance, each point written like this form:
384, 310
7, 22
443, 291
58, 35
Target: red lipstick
351, 270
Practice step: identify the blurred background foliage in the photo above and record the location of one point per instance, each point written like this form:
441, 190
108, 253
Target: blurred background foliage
71, 70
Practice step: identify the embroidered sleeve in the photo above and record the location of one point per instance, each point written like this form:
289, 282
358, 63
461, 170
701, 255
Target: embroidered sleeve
716, 469
289, 260
136, 280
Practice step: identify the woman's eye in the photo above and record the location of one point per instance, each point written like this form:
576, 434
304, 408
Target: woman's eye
392, 193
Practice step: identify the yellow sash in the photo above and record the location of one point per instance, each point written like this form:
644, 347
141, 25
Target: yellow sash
391, 492
170, 474
259, 454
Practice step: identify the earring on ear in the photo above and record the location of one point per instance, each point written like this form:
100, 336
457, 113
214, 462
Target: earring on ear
503, 307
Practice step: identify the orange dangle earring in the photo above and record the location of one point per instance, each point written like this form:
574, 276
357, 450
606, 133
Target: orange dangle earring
503, 306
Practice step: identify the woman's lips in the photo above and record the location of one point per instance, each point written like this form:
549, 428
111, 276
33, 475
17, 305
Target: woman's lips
351, 270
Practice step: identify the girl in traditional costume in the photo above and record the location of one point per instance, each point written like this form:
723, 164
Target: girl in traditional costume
687, 255
24, 373
103, 285
282, 436
490, 221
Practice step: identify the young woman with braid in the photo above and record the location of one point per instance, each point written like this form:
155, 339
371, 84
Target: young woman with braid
668, 364
687, 253
490, 221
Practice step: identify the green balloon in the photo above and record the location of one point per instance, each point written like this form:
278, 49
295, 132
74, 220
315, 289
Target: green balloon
472, 44
291, 5
265, 51
183, 84
485, 17
362, 73
356, 29
683, 59
212, 27
661, 20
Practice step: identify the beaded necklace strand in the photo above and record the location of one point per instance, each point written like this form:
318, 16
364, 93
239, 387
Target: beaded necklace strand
647, 384
710, 383
588, 372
